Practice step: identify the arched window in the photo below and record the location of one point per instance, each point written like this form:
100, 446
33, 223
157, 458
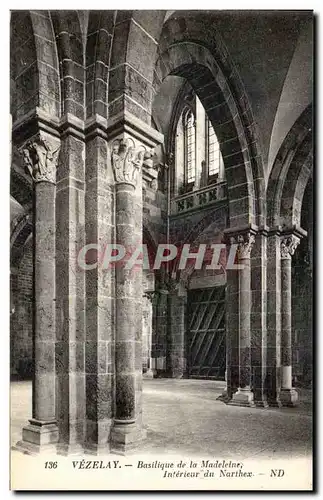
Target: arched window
189, 147
214, 156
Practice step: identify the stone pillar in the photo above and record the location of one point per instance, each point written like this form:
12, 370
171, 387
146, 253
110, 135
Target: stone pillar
272, 382
176, 360
258, 320
244, 395
232, 334
40, 155
70, 289
100, 283
159, 338
288, 395
147, 334
131, 143
127, 159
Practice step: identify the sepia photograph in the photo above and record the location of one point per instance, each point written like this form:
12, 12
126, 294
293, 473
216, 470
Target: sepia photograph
161, 250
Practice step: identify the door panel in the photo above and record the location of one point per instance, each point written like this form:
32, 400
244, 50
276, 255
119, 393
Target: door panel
206, 333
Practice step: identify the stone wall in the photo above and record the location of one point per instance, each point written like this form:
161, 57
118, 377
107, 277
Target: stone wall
302, 304
301, 319
21, 315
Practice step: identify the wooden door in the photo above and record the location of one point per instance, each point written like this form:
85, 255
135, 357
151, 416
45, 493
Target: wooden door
206, 333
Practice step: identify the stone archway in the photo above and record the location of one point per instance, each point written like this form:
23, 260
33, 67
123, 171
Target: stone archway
183, 47
21, 294
290, 173
286, 186
194, 62
34, 66
185, 347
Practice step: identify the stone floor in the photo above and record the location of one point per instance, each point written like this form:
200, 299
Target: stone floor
184, 416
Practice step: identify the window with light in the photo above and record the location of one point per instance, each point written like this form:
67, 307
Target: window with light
214, 156
189, 147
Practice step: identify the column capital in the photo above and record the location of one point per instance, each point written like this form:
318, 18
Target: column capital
245, 242
40, 155
132, 144
285, 231
150, 295
288, 246
127, 158
150, 170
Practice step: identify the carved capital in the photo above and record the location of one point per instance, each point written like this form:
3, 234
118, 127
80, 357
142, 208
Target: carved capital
127, 160
288, 246
41, 158
245, 243
150, 295
154, 184
150, 170
149, 159
168, 285
171, 157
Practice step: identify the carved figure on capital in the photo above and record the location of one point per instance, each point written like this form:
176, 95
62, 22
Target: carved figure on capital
149, 159
41, 158
245, 243
288, 246
154, 184
127, 160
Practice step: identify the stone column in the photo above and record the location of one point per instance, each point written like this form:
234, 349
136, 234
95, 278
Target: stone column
273, 318
288, 395
176, 360
70, 287
232, 335
244, 395
159, 338
40, 155
131, 144
258, 323
99, 282
127, 158
147, 334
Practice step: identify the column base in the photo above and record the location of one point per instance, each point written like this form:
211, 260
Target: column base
175, 374
126, 437
37, 437
274, 403
261, 403
98, 437
160, 374
243, 397
66, 450
224, 397
288, 397
97, 449
148, 374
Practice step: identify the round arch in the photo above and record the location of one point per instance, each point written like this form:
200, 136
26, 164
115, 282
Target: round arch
99, 35
290, 174
192, 49
186, 50
21, 232
208, 225
34, 68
